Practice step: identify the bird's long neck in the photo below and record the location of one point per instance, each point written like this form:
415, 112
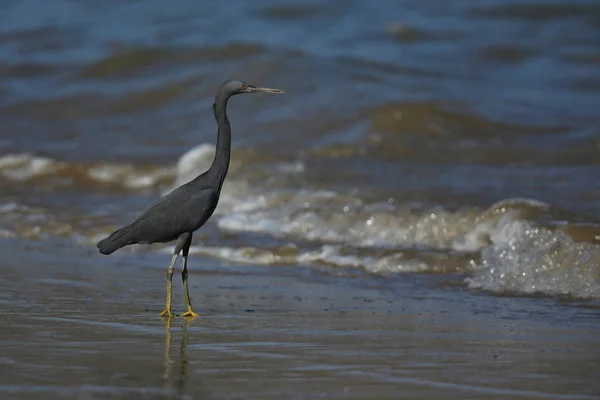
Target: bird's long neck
220, 164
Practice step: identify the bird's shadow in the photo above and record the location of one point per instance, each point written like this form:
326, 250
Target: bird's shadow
175, 371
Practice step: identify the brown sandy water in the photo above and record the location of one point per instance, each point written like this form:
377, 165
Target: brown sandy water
416, 218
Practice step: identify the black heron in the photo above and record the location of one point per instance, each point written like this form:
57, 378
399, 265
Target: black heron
180, 213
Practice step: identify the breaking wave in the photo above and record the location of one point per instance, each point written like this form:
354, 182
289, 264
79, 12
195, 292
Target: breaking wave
504, 248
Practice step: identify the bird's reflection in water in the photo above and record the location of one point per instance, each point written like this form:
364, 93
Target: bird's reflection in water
181, 378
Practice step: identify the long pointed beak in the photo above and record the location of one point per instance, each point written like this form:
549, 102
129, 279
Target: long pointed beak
254, 89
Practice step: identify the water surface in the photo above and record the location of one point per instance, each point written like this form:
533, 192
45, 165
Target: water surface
441, 156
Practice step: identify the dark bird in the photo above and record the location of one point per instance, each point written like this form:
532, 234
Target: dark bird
180, 213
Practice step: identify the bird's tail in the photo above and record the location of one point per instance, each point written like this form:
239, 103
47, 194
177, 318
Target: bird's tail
115, 241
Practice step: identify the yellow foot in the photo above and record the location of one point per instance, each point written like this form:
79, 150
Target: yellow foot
167, 313
190, 313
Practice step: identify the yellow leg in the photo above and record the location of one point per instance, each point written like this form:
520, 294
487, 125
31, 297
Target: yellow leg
184, 276
168, 312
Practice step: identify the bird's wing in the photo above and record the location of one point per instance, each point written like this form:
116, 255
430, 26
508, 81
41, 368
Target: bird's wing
182, 210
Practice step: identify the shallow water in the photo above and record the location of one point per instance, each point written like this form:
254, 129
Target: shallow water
442, 156
89, 330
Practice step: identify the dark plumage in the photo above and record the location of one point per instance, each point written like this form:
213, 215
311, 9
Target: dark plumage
183, 211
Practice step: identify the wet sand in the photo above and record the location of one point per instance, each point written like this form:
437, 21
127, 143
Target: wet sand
90, 330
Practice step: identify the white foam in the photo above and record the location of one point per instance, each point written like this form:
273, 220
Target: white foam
330, 255
528, 259
25, 166
128, 176
194, 162
327, 216
6, 234
19, 220
398, 263
296, 167
240, 255
10, 207
479, 237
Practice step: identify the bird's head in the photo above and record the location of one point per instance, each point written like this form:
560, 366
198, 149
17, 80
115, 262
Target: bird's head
232, 87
